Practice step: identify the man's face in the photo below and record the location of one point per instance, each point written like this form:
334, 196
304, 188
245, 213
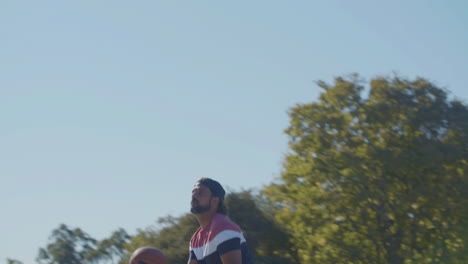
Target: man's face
201, 199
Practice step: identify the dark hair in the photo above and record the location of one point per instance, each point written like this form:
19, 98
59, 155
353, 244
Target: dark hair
217, 190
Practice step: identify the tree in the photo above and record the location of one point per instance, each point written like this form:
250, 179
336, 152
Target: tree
376, 179
70, 246
113, 248
267, 240
13, 261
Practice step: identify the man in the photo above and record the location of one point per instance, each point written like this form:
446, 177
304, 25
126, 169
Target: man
218, 240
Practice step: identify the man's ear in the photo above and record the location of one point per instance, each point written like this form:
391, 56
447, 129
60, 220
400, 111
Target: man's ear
216, 203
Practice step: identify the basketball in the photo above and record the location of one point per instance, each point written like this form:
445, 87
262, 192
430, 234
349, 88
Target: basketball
148, 255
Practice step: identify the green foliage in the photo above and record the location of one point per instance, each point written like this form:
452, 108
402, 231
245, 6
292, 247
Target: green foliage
70, 246
381, 179
13, 261
113, 249
268, 242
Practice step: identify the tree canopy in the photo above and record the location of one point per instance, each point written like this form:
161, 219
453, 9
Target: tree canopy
73, 245
268, 241
375, 173
379, 177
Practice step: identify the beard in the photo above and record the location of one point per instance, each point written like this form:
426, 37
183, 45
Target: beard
198, 209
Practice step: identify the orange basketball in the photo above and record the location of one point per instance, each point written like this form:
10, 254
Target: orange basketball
148, 255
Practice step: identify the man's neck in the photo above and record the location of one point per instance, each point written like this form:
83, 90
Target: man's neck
204, 219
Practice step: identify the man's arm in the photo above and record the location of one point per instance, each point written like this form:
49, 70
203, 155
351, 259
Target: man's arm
192, 258
231, 257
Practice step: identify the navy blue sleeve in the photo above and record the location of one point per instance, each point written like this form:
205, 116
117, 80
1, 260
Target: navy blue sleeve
229, 245
192, 255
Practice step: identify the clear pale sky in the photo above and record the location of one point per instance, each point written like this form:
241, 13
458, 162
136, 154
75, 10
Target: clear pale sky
110, 110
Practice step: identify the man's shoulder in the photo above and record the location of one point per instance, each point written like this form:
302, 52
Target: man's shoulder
220, 229
221, 223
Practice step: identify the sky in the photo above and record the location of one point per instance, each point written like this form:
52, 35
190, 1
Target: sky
111, 110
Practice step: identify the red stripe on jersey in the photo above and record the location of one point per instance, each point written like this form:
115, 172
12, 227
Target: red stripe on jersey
218, 224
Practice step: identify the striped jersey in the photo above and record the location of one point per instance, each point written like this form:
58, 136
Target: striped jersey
219, 237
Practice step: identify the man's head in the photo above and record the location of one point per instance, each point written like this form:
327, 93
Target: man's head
208, 194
